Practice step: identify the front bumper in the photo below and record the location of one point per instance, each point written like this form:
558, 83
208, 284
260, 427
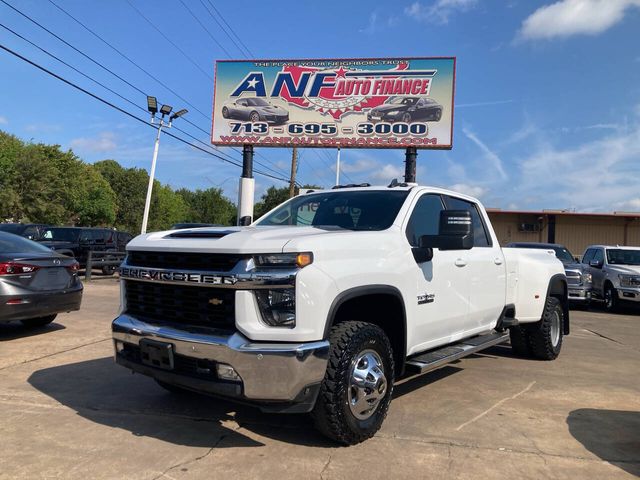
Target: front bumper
579, 294
629, 294
283, 377
35, 305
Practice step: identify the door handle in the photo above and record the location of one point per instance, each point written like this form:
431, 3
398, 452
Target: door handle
497, 261
460, 262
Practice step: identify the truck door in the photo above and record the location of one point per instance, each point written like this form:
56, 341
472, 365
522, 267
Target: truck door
442, 284
597, 272
485, 270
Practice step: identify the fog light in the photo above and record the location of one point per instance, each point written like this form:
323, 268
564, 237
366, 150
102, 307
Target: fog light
119, 346
278, 307
227, 372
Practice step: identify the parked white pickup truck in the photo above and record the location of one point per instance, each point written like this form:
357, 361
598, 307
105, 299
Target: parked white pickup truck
326, 300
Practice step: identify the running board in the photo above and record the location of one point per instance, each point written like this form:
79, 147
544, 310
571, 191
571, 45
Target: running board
441, 356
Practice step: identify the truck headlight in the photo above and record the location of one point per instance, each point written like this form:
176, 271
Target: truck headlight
587, 278
277, 307
629, 280
284, 259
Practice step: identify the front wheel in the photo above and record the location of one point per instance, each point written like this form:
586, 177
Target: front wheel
610, 299
545, 336
254, 117
356, 391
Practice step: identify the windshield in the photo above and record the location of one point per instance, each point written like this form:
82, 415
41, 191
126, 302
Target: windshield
61, 234
402, 101
564, 255
620, 256
257, 102
354, 210
10, 243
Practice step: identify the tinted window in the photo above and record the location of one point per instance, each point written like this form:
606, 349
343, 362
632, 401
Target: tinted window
425, 218
480, 236
62, 234
623, 256
353, 210
14, 244
598, 256
588, 255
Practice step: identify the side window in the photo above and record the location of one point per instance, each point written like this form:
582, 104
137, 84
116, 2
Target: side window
588, 255
480, 235
85, 236
30, 233
425, 218
242, 103
599, 255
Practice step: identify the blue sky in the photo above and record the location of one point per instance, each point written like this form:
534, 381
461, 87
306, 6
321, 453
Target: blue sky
547, 93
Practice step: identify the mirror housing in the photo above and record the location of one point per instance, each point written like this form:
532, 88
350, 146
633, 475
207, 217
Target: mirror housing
596, 263
244, 221
422, 254
455, 232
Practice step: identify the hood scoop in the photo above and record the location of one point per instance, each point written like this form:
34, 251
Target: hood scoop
201, 234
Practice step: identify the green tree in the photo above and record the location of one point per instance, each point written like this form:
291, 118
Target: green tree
11, 148
167, 208
274, 197
208, 206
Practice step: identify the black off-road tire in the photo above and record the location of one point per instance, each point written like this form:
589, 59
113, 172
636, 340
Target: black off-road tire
611, 301
109, 269
332, 414
541, 333
38, 322
520, 341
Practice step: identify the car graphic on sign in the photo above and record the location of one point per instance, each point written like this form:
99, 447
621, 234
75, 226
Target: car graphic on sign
254, 110
406, 109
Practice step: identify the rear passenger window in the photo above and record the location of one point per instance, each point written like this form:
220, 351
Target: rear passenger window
425, 218
480, 235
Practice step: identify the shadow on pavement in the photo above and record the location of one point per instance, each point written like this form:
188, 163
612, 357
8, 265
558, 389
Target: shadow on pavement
107, 394
13, 330
408, 384
612, 435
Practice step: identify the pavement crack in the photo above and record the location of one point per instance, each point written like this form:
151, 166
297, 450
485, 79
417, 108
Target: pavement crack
55, 353
165, 473
604, 336
326, 466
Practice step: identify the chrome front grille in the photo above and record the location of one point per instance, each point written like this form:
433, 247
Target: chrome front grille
573, 277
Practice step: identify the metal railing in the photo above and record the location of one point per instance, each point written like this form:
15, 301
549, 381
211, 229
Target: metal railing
102, 259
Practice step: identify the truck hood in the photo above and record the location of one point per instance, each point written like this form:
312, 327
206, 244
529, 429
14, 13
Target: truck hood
229, 239
624, 269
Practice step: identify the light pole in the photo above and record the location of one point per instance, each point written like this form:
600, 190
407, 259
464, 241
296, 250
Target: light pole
152, 106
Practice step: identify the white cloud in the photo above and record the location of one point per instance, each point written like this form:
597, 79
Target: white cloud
472, 190
438, 11
3, 121
360, 165
566, 18
483, 104
104, 142
372, 26
489, 154
632, 205
386, 173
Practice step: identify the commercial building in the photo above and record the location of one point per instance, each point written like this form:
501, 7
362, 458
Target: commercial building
574, 230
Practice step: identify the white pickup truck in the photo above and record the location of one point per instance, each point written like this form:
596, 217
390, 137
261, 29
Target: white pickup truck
322, 303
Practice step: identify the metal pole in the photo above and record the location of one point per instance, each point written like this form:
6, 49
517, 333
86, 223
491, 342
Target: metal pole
147, 203
246, 187
338, 168
411, 155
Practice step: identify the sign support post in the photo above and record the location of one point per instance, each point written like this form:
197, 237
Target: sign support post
246, 188
411, 156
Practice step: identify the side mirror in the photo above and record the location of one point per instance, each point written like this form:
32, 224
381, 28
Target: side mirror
455, 232
244, 221
422, 254
596, 263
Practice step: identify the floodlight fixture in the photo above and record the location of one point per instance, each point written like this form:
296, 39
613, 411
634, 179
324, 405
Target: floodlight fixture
166, 109
178, 114
152, 105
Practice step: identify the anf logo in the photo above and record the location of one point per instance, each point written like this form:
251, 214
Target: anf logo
253, 82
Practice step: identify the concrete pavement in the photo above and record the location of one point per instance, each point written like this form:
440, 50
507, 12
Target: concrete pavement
67, 411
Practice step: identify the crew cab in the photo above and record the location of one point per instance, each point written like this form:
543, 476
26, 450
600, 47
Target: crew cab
321, 304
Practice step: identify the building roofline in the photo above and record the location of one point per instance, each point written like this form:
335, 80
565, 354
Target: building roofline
566, 213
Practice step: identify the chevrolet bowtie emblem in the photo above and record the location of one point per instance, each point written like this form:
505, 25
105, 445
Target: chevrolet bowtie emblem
215, 301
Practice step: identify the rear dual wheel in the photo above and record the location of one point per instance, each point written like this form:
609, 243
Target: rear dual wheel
542, 339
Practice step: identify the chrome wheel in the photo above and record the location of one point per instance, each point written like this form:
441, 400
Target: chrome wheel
254, 117
368, 384
608, 299
555, 328
406, 118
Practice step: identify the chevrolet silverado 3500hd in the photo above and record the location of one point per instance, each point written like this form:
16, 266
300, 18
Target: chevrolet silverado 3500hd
323, 302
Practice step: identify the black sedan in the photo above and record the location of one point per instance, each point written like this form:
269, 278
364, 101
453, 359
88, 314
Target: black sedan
406, 109
35, 283
255, 110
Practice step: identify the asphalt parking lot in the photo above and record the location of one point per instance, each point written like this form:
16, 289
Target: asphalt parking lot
67, 411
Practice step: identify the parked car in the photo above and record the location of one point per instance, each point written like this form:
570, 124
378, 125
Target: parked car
32, 231
254, 110
616, 274
578, 277
406, 109
35, 283
78, 241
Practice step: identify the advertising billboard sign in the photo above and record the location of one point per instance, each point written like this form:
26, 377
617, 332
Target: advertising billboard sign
358, 103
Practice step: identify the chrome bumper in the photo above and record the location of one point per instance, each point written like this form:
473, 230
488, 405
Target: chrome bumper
579, 294
269, 372
629, 294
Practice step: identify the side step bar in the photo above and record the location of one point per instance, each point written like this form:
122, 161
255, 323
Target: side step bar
441, 356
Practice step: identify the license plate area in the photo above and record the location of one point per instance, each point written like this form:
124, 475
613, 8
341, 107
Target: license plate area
156, 354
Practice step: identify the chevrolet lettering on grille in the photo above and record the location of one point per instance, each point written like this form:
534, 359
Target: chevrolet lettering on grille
176, 276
